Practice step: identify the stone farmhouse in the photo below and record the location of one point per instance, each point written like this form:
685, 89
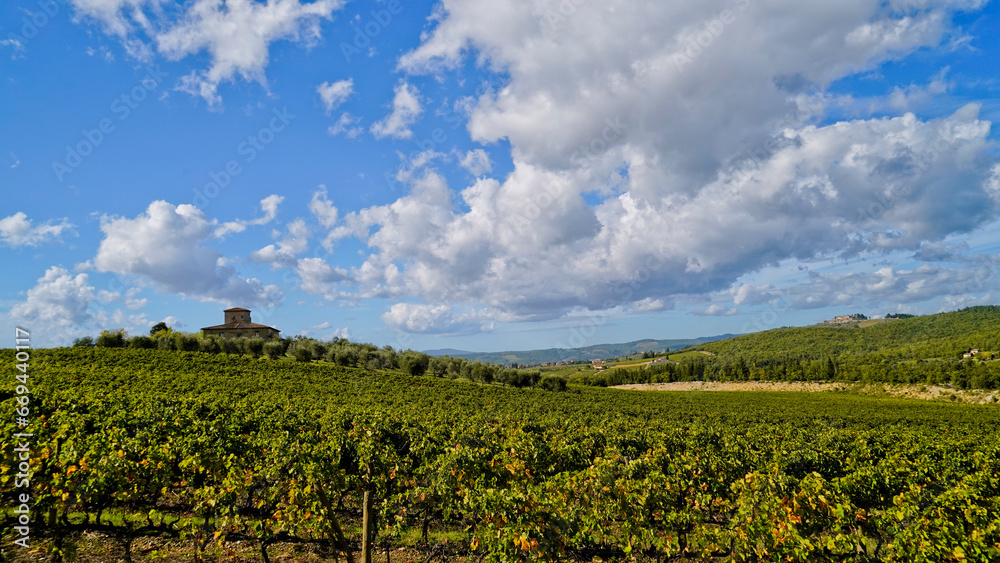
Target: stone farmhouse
238, 324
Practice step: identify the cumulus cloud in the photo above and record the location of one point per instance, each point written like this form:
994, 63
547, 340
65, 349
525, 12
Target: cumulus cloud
477, 162
940, 251
18, 230
118, 17
235, 34
322, 326
63, 306
294, 241
913, 96
717, 310
132, 301
333, 94
438, 319
268, 205
651, 158
59, 300
347, 125
889, 285
166, 245
317, 277
322, 209
405, 111
648, 305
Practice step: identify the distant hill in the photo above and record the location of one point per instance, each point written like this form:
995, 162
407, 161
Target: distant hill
938, 336
587, 353
959, 349
448, 352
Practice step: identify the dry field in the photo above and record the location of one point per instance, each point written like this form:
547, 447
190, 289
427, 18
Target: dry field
926, 392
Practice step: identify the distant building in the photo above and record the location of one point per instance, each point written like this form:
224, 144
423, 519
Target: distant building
238, 324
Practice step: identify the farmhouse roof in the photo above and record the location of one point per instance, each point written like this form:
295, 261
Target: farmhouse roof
232, 326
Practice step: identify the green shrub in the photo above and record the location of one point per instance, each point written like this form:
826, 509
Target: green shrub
186, 342
209, 345
253, 346
231, 346
553, 383
274, 349
143, 342
112, 338
83, 342
414, 363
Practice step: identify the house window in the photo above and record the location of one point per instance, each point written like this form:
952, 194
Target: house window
256, 333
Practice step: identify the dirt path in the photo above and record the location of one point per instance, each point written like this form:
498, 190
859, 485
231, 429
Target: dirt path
926, 392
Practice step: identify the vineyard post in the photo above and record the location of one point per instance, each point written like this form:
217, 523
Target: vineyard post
366, 529
334, 524
53, 520
57, 547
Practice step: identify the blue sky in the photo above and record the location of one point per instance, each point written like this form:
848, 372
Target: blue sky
490, 176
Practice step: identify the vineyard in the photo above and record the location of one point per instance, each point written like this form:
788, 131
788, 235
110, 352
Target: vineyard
212, 449
928, 350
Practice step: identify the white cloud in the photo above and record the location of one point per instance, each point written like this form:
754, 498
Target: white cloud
335, 93
59, 304
405, 111
166, 245
268, 205
274, 255
317, 277
348, 125
18, 230
119, 17
892, 286
62, 306
17, 48
648, 305
294, 241
132, 301
322, 326
992, 184
717, 310
322, 209
477, 162
705, 165
132, 323
913, 96
437, 319
235, 34
108, 296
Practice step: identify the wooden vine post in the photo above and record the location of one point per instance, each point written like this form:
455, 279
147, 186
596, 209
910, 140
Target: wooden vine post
367, 528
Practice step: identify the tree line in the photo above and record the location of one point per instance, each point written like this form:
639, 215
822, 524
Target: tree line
338, 351
961, 374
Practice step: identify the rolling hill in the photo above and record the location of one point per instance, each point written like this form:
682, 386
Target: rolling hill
935, 350
939, 336
587, 353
